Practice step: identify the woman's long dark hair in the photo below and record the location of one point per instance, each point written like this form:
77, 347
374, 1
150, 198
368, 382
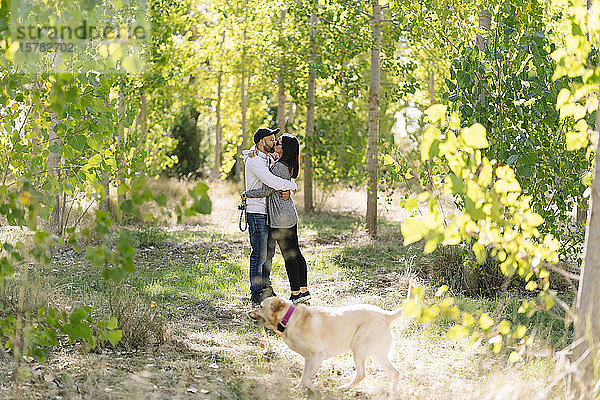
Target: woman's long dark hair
291, 152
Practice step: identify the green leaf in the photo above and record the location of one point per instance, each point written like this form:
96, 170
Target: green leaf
123, 189
161, 199
114, 337
112, 323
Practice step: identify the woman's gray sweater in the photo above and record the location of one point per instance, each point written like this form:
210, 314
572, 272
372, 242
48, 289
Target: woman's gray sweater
280, 213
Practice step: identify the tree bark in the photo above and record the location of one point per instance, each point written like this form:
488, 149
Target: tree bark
120, 144
587, 324
216, 172
104, 204
374, 121
141, 120
310, 112
53, 168
243, 100
281, 81
485, 23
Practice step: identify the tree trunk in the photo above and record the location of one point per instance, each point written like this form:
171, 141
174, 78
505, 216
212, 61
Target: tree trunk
374, 121
216, 172
281, 101
587, 324
310, 112
120, 143
281, 81
238, 165
342, 119
431, 102
105, 201
53, 168
485, 23
141, 120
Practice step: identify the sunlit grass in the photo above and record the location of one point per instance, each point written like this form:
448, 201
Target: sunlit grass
197, 277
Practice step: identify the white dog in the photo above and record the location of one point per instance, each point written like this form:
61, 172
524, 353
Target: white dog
318, 334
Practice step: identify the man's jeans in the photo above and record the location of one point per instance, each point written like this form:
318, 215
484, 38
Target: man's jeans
260, 264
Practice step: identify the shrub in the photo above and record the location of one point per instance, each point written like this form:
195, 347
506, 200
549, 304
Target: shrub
140, 322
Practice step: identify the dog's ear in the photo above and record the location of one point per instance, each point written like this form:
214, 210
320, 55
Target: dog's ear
278, 305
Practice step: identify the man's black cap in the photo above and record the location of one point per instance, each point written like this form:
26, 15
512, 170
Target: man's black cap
264, 132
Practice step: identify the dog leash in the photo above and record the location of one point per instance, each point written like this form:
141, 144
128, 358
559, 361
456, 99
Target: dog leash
243, 216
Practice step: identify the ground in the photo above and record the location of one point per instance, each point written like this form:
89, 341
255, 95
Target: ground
187, 305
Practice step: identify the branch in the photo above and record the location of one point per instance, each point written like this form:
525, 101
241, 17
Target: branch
14, 144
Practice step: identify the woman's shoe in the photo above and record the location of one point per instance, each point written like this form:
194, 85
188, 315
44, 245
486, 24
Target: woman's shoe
294, 298
303, 297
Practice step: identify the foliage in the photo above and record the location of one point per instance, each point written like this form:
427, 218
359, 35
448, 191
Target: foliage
191, 150
497, 219
518, 110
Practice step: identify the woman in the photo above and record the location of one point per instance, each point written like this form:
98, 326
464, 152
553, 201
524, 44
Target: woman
282, 217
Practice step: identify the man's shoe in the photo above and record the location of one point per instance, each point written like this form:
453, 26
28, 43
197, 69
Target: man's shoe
267, 292
255, 299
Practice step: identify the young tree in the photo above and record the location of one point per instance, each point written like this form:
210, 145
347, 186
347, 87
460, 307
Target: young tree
310, 111
216, 172
372, 163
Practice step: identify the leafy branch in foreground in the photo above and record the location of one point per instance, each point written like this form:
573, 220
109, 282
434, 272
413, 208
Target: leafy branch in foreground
496, 221
31, 334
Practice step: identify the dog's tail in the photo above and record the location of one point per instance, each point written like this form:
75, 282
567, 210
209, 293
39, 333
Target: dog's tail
412, 295
393, 315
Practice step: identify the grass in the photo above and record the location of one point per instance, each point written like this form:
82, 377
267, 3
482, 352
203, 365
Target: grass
194, 278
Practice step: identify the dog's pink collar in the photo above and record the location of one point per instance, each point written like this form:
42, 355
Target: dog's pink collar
281, 326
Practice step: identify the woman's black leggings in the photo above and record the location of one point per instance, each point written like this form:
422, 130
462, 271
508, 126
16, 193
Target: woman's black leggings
295, 264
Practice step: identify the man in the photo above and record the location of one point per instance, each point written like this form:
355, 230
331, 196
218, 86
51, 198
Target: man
256, 173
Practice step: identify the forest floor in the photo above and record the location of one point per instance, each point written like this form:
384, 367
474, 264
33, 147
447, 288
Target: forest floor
187, 306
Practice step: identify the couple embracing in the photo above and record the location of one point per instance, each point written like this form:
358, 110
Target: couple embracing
270, 167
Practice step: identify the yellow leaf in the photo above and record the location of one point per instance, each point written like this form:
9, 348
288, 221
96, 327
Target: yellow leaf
413, 230
578, 137
430, 246
457, 331
430, 313
468, 320
504, 327
411, 309
387, 160
485, 175
562, 98
485, 321
480, 252
531, 285
521, 331
430, 135
534, 219
435, 113
474, 136
514, 357
15, 106
25, 198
